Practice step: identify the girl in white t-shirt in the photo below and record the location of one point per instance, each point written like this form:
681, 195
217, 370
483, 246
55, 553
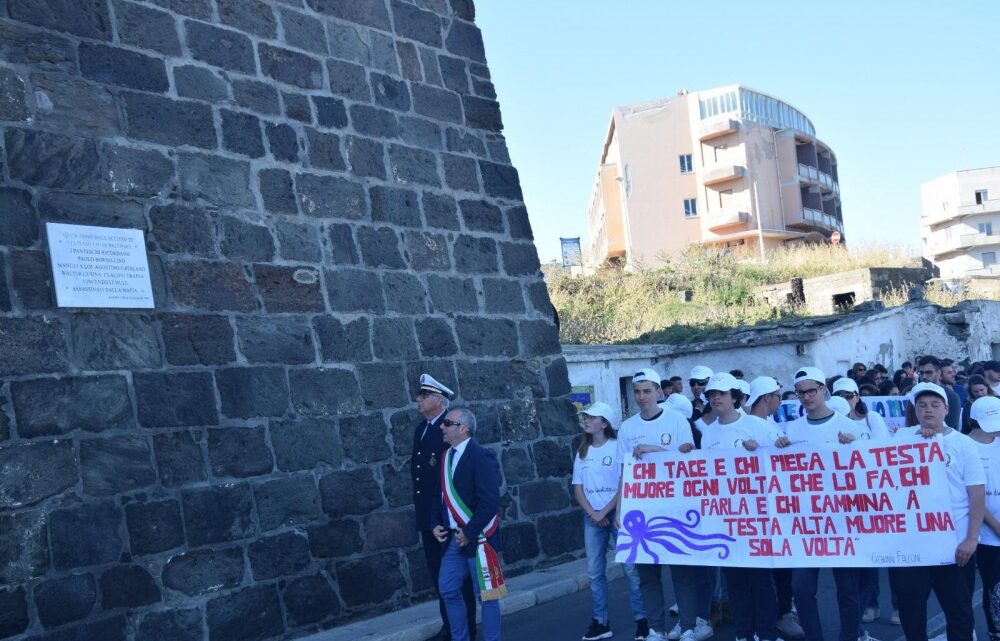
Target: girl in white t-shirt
870, 424
984, 419
596, 473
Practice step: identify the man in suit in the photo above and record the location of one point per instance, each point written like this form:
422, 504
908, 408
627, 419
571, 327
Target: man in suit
468, 523
425, 470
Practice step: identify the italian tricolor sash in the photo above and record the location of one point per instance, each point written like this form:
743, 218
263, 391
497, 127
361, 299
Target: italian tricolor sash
490, 577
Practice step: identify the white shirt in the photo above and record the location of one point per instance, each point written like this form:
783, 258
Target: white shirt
598, 473
989, 456
964, 469
873, 426
668, 430
827, 433
730, 436
428, 423
459, 450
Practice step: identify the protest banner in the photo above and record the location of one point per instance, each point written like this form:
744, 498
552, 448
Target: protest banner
891, 408
860, 505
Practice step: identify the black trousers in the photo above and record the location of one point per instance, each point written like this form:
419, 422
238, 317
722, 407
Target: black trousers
988, 560
951, 586
783, 589
433, 551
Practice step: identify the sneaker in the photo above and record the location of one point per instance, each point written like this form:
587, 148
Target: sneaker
674, 610
894, 619
870, 614
597, 630
641, 630
702, 630
689, 635
674, 633
866, 637
789, 626
655, 636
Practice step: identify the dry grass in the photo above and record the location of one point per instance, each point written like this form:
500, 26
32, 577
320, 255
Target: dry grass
647, 306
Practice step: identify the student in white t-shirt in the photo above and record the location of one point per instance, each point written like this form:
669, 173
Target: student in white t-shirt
751, 590
870, 424
984, 417
596, 473
952, 583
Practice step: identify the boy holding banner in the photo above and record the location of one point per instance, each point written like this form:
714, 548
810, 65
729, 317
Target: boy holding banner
985, 420
952, 583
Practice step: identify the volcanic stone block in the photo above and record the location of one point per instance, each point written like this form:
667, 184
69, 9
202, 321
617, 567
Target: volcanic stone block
275, 340
212, 286
357, 590
363, 438
147, 28
303, 31
518, 467
201, 9
372, 13
330, 112
343, 342
482, 113
557, 374
297, 107
279, 555
460, 173
397, 485
409, 61
241, 133
450, 294
247, 392
239, 452
114, 341
484, 380
349, 492
348, 80
440, 211
373, 121
390, 530
553, 458
176, 625
200, 83
390, 92
220, 47
290, 67
48, 406
543, 496
216, 180
382, 386
21, 45
65, 599
182, 230
480, 215
335, 538
475, 255
503, 296
18, 218
435, 337
197, 340
245, 241
393, 339
331, 197
413, 166
128, 586
354, 290
439, 104
13, 611
500, 181
178, 399
110, 628
154, 526
115, 465
251, 614
558, 417
380, 247
343, 249
288, 501
309, 599
32, 472
168, 122
519, 259
454, 74
51, 160
324, 150
199, 571
539, 338
32, 279
465, 40
25, 553
303, 444
366, 157
463, 141
404, 293
178, 459
428, 252
417, 24
69, 104
91, 210
418, 132
261, 97
218, 514
85, 535
282, 141
396, 206
249, 16
324, 392
298, 242
486, 336
136, 172
520, 542
277, 191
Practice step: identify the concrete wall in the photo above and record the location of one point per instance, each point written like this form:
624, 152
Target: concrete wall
329, 210
966, 333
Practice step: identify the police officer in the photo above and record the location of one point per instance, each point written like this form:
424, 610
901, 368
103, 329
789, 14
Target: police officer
425, 468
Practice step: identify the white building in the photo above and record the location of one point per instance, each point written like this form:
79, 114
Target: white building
960, 223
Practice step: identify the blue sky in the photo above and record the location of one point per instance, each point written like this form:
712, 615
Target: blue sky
902, 91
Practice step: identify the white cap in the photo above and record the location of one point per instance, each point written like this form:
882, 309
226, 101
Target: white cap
600, 409
700, 373
839, 405
760, 386
924, 388
845, 384
679, 403
647, 374
809, 374
743, 386
986, 411
428, 385
722, 382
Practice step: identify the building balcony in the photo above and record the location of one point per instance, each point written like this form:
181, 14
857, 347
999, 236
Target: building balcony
821, 178
724, 220
808, 219
958, 244
988, 207
722, 174
992, 270
717, 128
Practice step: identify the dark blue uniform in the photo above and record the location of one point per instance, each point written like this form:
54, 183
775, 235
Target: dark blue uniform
425, 471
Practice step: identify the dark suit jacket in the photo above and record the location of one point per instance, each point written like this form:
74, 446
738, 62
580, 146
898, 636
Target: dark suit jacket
425, 471
477, 481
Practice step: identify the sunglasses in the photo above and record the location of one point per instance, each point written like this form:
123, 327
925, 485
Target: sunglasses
845, 394
450, 423
700, 383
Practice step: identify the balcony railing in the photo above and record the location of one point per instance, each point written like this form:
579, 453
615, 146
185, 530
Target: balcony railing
815, 218
722, 173
820, 177
991, 270
959, 243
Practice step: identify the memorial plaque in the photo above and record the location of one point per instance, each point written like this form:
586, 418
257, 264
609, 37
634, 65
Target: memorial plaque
99, 266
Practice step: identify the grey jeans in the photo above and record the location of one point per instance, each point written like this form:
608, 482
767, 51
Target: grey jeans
689, 582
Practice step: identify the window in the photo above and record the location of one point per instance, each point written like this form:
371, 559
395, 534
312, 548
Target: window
982, 195
989, 258
986, 228
686, 166
690, 207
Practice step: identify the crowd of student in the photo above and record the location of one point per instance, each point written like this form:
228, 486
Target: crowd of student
723, 412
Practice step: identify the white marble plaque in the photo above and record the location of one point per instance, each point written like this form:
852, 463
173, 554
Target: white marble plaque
99, 266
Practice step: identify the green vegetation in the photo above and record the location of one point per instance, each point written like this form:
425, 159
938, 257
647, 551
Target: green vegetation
648, 305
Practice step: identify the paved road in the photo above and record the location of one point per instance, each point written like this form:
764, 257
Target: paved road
566, 619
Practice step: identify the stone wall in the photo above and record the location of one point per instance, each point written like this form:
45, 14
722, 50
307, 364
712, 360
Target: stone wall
843, 290
329, 210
